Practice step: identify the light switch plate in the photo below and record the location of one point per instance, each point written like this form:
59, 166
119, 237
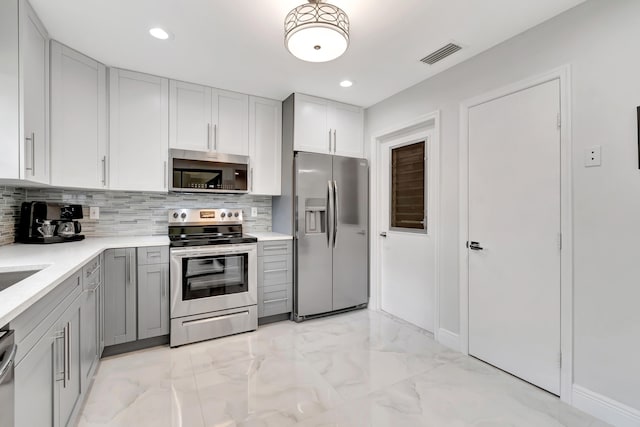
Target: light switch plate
94, 212
254, 212
592, 156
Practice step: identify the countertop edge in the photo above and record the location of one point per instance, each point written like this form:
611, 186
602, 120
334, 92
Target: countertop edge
32, 296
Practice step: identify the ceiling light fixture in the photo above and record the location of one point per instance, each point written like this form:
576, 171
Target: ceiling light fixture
316, 32
346, 83
159, 33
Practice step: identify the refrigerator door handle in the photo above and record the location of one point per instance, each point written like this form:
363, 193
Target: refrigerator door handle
335, 213
329, 221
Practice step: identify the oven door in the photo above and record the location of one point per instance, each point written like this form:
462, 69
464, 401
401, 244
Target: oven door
213, 278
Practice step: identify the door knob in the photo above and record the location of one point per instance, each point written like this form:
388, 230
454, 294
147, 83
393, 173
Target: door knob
383, 234
474, 246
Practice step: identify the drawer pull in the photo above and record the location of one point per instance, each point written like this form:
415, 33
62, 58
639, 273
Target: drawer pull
214, 319
269, 301
276, 270
275, 248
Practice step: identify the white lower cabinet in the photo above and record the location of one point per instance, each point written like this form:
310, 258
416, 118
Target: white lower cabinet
138, 131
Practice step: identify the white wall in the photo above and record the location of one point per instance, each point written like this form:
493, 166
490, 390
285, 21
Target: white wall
599, 39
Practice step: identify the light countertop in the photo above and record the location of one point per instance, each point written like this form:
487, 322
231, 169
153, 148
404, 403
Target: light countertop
265, 236
58, 262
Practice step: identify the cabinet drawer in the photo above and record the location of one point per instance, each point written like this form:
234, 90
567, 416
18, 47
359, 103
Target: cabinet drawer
278, 247
91, 274
274, 300
274, 270
153, 255
91, 268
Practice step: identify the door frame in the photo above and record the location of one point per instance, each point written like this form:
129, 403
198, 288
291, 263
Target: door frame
563, 74
423, 125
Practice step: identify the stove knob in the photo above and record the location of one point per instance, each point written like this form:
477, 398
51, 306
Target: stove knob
223, 214
183, 215
236, 214
175, 214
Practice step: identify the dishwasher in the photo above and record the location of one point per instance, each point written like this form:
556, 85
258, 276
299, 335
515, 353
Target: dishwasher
7, 355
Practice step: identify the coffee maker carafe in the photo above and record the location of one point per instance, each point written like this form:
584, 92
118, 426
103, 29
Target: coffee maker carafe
49, 223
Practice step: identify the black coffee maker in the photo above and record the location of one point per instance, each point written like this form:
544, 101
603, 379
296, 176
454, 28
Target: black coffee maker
42, 222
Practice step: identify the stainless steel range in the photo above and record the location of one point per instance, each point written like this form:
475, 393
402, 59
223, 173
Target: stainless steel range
213, 275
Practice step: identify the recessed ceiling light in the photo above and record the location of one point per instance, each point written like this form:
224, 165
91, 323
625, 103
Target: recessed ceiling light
159, 33
346, 83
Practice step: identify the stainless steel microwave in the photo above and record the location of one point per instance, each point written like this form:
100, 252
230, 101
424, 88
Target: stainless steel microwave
206, 172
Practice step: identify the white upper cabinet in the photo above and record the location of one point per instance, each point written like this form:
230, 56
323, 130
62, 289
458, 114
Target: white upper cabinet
190, 117
206, 119
347, 123
34, 54
24, 94
328, 127
139, 131
78, 120
311, 128
231, 122
265, 145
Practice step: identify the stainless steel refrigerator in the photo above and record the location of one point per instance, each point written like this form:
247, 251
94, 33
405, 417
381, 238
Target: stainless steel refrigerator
331, 203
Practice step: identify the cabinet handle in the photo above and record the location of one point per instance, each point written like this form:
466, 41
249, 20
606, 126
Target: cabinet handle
104, 171
329, 140
62, 336
165, 174
274, 248
67, 350
277, 270
335, 141
274, 300
32, 140
251, 171
131, 266
208, 136
163, 286
215, 137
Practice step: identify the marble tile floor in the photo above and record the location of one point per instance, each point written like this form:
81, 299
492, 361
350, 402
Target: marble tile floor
357, 369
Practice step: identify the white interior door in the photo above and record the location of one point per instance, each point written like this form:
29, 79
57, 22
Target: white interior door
407, 241
514, 216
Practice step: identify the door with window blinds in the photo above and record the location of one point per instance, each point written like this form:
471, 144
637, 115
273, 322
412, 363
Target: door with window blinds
407, 250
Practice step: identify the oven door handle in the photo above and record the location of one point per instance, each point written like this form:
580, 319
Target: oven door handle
207, 250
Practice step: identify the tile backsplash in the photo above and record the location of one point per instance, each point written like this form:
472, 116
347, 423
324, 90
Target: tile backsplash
129, 213
10, 200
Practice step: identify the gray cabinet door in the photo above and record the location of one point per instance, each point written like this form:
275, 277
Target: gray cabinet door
101, 308
89, 343
153, 300
34, 377
68, 384
120, 324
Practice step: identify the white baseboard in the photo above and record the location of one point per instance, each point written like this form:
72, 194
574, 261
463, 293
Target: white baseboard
449, 339
609, 410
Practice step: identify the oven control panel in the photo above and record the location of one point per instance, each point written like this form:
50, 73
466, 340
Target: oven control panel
205, 216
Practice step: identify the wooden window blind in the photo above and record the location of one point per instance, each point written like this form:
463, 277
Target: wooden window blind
407, 186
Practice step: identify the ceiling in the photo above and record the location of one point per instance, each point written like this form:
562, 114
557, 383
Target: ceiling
238, 44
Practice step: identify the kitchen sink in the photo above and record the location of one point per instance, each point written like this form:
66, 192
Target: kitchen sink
9, 278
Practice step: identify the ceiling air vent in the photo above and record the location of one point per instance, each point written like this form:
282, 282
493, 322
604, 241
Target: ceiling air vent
440, 54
